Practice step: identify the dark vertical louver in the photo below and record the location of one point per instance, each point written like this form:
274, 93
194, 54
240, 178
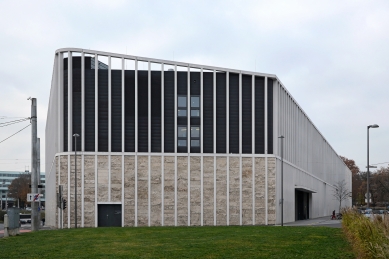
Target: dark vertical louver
270, 116
116, 110
234, 113
156, 111
65, 106
221, 120
247, 114
169, 111
129, 113
89, 109
76, 102
208, 112
103, 110
259, 115
143, 111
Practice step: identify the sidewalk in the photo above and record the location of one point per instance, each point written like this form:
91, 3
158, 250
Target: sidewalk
25, 228
322, 222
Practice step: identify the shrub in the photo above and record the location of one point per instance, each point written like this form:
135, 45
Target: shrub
369, 238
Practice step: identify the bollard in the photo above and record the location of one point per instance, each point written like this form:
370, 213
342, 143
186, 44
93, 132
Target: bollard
6, 234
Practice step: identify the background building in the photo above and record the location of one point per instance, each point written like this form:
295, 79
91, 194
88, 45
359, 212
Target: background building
171, 143
6, 177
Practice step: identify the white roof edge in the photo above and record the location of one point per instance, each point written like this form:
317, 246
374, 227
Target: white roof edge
168, 62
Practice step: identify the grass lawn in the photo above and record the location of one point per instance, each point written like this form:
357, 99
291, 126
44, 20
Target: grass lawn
180, 242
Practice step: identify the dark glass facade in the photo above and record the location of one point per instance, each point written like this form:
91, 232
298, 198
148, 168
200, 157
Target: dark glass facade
188, 111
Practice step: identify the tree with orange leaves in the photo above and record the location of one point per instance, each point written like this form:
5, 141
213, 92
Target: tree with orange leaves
19, 188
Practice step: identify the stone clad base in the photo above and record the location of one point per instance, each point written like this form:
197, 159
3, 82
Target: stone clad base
169, 190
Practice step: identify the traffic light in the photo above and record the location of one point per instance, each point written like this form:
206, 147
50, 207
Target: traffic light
63, 204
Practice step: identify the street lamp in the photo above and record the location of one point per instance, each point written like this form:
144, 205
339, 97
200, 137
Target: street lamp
368, 165
75, 135
282, 179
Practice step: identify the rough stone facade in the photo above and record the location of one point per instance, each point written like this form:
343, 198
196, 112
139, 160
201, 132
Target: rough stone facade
181, 189
89, 191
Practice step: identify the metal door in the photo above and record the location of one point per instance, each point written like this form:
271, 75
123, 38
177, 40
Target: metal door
110, 215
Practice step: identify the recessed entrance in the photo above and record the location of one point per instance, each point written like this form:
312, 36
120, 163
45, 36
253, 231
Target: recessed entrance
110, 215
302, 205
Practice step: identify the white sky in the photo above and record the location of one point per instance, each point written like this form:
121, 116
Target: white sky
333, 56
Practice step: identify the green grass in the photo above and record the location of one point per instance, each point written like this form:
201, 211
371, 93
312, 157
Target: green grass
180, 242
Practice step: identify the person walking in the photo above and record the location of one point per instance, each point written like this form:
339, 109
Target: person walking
333, 215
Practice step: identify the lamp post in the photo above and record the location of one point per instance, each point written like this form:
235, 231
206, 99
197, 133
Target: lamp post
282, 179
75, 135
368, 165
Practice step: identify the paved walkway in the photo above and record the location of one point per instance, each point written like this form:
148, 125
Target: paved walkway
317, 222
23, 229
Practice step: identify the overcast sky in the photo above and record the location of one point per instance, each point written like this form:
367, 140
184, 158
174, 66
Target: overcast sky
332, 56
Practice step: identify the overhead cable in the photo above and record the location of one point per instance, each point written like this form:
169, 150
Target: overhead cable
4, 124
14, 134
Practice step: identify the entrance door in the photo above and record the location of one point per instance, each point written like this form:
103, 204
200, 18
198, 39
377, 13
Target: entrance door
110, 215
302, 205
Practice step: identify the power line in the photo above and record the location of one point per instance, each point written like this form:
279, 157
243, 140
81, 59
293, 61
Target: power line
381, 163
14, 134
15, 158
5, 124
5, 117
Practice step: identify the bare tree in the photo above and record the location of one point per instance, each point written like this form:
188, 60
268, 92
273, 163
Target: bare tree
341, 193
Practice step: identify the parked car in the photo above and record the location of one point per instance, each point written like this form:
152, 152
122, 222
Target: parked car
25, 218
368, 213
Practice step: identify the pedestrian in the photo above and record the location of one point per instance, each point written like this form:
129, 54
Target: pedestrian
333, 215
43, 221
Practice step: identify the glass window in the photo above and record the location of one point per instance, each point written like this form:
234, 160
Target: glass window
195, 101
181, 143
181, 132
195, 132
181, 101
195, 143
195, 113
181, 112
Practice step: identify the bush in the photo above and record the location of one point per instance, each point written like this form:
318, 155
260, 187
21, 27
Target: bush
369, 238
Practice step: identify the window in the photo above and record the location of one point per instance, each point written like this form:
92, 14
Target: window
195, 143
195, 136
194, 132
181, 106
181, 136
181, 143
195, 106
181, 132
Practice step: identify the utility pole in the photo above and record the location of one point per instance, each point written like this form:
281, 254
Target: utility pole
38, 147
34, 166
75, 135
282, 179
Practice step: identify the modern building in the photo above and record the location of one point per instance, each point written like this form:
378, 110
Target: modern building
6, 178
165, 143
